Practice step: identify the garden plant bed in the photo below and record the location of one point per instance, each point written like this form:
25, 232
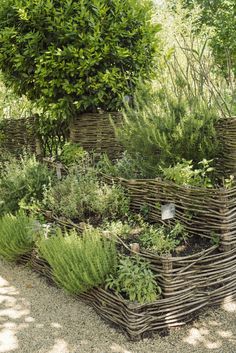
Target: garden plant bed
205, 212
188, 284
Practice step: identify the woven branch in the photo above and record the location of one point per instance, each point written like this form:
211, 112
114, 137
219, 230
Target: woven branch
18, 135
95, 133
195, 281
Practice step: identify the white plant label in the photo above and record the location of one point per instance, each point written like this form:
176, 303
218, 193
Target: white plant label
168, 211
58, 170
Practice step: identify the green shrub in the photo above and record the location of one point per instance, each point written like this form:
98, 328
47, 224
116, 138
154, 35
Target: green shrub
127, 166
162, 239
183, 174
117, 228
135, 280
72, 153
17, 235
79, 263
83, 196
73, 56
157, 130
22, 182
176, 117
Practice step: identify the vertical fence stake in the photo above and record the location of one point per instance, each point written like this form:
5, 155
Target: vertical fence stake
224, 238
167, 266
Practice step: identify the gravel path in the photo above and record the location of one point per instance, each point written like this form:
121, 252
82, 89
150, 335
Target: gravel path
37, 318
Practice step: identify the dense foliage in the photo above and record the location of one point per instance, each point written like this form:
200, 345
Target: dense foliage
17, 235
82, 196
76, 56
22, 182
135, 280
79, 263
171, 124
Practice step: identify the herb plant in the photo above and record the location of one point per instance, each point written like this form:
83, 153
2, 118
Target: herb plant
162, 239
22, 182
183, 173
79, 263
135, 280
83, 196
17, 235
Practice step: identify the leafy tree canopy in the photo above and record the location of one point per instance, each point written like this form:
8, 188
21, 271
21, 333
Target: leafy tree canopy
74, 56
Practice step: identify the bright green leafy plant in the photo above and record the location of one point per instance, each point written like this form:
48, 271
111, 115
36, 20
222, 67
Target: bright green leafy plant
135, 280
162, 239
17, 235
72, 153
79, 263
183, 174
76, 56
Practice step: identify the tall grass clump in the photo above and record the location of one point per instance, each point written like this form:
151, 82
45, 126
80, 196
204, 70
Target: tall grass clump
79, 263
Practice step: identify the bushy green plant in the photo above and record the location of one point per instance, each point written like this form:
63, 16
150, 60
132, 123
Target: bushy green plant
22, 182
73, 56
127, 166
162, 239
176, 117
160, 127
84, 195
64, 198
183, 174
79, 263
135, 280
72, 153
17, 235
117, 228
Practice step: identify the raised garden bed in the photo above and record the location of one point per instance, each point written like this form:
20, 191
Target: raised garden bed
205, 212
188, 284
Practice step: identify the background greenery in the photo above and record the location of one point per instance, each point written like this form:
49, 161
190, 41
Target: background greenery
220, 15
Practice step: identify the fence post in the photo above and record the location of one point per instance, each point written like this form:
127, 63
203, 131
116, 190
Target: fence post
225, 229
167, 266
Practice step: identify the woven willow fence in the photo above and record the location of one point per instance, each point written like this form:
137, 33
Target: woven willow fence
188, 284
17, 135
208, 212
94, 132
227, 136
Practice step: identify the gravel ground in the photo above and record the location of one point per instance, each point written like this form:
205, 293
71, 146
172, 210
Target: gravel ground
38, 318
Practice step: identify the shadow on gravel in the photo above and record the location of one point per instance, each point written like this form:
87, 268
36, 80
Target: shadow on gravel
37, 318
216, 330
